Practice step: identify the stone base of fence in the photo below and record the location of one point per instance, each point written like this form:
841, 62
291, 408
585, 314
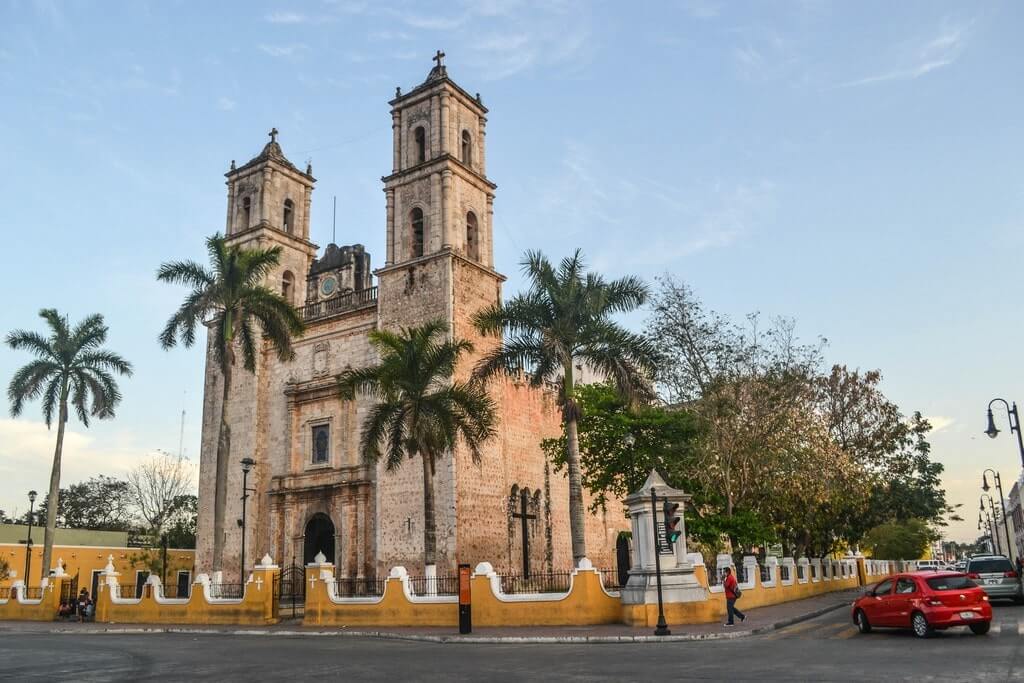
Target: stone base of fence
254, 607
32, 604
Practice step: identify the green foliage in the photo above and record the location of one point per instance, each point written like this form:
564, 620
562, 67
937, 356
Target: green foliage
665, 440
181, 522
100, 503
5, 569
899, 539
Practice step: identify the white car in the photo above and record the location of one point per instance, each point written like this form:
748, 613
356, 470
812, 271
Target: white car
928, 565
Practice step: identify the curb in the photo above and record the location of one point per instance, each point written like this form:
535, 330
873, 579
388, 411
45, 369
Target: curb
451, 639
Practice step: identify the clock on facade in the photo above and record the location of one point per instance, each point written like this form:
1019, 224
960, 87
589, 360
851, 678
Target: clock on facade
328, 286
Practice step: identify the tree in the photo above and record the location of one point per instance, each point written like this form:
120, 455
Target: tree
899, 540
181, 522
421, 411
665, 439
565, 319
156, 485
230, 298
70, 368
100, 503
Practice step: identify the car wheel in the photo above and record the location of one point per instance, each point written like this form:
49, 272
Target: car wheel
980, 629
920, 625
861, 619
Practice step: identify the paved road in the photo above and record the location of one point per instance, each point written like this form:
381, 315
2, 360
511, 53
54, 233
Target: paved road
824, 649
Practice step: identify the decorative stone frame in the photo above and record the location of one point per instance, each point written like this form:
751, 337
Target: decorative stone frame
308, 445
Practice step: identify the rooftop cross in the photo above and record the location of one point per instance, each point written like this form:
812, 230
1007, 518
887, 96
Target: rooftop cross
273, 134
439, 58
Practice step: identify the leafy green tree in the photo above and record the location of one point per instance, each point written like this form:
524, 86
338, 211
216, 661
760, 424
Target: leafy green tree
100, 503
71, 369
421, 411
231, 298
664, 439
565, 319
899, 540
181, 522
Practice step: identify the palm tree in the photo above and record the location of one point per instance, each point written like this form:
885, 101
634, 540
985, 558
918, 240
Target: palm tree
70, 367
564, 319
229, 297
421, 411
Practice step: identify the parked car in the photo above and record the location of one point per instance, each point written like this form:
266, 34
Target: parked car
924, 601
996, 576
960, 566
925, 565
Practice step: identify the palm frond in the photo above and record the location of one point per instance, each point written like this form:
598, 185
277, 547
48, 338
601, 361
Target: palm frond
28, 382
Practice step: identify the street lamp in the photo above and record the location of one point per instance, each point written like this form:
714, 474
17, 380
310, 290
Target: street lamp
985, 525
1002, 504
28, 543
1013, 417
993, 520
247, 465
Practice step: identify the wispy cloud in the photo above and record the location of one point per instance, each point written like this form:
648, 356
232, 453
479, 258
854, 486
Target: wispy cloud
702, 9
225, 103
940, 422
286, 18
934, 53
284, 51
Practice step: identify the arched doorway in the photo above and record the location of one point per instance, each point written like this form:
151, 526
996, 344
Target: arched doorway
319, 538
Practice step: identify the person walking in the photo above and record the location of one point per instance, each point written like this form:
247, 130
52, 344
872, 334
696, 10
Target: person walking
83, 603
732, 594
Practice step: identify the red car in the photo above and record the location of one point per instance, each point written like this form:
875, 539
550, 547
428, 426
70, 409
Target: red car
924, 601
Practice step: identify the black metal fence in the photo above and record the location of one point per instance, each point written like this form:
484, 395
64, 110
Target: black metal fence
438, 585
173, 592
33, 593
129, 590
714, 576
69, 590
741, 573
230, 591
766, 573
361, 587
784, 572
548, 582
5, 593
610, 579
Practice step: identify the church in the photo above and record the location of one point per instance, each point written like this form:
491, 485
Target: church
311, 490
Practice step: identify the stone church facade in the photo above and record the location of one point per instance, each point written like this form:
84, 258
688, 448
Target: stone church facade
311, 489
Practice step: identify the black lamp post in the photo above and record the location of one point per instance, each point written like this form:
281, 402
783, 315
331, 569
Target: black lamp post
993, 520
247, 465
163, 562
1014, 419
28, 543
1002, 504
986, 524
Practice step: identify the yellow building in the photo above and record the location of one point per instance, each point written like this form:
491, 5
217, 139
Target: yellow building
84, 563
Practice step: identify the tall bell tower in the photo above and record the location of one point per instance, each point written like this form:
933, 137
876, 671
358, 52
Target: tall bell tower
439, 265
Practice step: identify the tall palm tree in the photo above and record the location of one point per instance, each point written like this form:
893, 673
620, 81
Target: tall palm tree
421, 411
230, 298
70, 366
564, 318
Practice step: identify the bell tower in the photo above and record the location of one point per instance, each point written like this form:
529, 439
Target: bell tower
268, 205
439, 266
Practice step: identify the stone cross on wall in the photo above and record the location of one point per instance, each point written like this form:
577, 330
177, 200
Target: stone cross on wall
273, 134
439, 58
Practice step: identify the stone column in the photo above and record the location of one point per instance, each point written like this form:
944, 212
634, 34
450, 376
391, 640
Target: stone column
434, 226
446, 212
360, 534
446, 137
231, 206
264, 191
481, 147
435, 126
307, 201
389, 198
487, 245
396, 135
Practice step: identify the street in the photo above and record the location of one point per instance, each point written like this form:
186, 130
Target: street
823, 649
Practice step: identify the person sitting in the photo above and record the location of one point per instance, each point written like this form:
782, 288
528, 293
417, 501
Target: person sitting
65, 610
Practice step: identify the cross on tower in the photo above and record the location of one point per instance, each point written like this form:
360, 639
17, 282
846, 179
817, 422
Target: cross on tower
273, 134
524, 501
439, 58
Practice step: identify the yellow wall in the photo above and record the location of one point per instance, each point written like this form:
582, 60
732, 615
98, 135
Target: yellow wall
45, 610
257, 607
83, 560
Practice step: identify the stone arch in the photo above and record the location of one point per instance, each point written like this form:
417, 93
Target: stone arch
417, 232
288, 287
318, 538
466, 148
420, 141
288, 219
472, 236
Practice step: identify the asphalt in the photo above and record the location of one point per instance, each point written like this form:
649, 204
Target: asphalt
822, 649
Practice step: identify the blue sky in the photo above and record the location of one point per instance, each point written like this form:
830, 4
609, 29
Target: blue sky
853, 165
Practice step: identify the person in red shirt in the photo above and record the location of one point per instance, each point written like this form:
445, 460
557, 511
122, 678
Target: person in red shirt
730, 585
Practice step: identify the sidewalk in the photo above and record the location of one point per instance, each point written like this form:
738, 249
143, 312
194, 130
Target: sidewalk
759, 620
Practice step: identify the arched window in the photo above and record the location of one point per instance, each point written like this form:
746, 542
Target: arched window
289, 213
417, 232
420, 137
288, 287
472, 237
246, 213
467, 148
